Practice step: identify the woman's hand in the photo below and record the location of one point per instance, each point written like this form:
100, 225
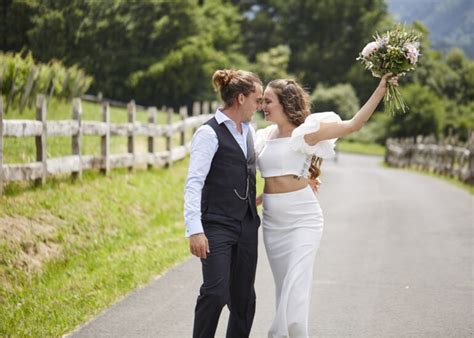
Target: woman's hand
389, 77
258, 200
314, 184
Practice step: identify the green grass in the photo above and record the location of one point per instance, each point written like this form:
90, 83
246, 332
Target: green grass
70, 249
360, 148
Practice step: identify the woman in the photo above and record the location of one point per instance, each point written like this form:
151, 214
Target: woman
292, 218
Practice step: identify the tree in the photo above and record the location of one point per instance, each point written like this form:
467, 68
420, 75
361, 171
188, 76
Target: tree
340, 98
324, 36
184, 73
425, 116
261, 26
15, 23
111, 40
273, 64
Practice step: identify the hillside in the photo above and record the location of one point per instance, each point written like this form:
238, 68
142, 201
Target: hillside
451, 23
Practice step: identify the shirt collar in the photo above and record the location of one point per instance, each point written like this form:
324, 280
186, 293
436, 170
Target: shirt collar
221, 118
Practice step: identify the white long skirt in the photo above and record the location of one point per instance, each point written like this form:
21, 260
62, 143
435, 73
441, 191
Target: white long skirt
292, 228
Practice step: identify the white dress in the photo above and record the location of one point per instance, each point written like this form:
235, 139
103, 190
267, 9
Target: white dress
292, 222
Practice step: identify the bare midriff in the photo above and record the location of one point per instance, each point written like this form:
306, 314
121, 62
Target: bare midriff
282, 184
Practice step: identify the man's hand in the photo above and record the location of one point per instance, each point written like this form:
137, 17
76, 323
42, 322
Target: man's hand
314, 184
198, 245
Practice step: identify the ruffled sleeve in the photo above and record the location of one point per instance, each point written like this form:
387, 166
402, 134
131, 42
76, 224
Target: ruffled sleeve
261, 136
322, 149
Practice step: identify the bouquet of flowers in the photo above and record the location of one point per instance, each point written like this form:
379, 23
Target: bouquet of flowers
396, 52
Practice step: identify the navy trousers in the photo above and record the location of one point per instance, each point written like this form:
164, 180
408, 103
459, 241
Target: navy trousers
228, 276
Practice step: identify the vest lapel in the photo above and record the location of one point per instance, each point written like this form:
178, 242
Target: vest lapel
250, 147
223, 125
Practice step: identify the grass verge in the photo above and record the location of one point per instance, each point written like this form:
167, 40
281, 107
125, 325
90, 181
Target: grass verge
70, 249
376, 149
450, 180
360, 148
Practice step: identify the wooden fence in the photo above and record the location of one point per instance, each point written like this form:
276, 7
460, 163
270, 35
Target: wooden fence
74, 164
447, 157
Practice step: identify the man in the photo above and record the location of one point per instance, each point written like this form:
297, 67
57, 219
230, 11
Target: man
220, 212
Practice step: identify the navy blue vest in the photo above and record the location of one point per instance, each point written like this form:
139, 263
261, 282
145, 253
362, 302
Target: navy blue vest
229, 189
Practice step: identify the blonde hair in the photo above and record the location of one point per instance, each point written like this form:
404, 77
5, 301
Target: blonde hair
296, 106
231, 82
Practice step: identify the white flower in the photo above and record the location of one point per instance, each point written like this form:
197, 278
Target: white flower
412, 52
370, 48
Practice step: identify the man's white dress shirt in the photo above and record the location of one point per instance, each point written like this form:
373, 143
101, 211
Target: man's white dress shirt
204, 146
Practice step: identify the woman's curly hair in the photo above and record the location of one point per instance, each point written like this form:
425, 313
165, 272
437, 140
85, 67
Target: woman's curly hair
296, 106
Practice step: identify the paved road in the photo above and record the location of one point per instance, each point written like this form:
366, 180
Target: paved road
396, 260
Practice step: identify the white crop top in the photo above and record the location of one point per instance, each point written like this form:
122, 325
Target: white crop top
292, 155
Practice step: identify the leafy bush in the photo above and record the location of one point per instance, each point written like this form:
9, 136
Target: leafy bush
426, 113
373, 132
21, 79
340, 98
459, 120
273, 63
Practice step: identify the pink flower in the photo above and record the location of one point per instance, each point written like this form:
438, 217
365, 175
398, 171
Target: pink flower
369, 49
412, 52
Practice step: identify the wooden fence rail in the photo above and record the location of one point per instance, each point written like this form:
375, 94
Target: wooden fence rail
447, 157
76, 128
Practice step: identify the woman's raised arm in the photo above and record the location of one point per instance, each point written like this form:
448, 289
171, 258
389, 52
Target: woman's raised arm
331, 130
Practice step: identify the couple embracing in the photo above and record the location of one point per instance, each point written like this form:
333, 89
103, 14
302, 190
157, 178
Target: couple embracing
220, 200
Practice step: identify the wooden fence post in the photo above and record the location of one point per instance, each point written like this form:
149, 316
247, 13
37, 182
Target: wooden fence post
183, 113
205, 107
196, 108
386, 157
470, 147
41, 154
169, 136
214, 106
2, 175
77, 139
105, 141
132, 113
151, 140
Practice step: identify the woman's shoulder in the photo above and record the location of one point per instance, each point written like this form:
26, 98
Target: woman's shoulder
326, 116
265, 132
312, 124
261, 137
267, 129
313, 121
